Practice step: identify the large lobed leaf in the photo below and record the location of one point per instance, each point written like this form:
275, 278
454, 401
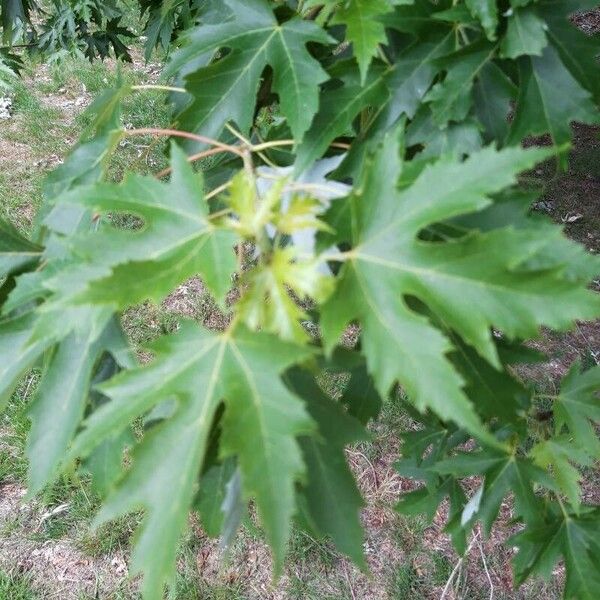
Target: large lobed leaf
471, 284
262, 420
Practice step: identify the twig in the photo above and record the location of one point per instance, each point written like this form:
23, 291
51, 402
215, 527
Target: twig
162, 88
191, 159
184, 134
249, 144
28, 386
277, 143
352, 594
457, 567
486, 570
217, 191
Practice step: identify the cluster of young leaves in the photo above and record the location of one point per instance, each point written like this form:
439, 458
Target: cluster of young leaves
366, 173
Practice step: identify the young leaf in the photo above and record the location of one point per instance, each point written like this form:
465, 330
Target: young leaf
267, 302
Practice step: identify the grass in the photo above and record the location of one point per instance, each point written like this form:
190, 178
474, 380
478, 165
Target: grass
14, 428
16, 587
47, 121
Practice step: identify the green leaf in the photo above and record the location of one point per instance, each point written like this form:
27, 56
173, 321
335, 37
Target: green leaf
408, 80
332, 497
427, 500
363, 28
493, 94
487, 13
526, 34
360, 394
496, 393
577, 408
211, 496
225, 90
16, 251
387, 262
575, 537
413, 17
261, 422
178, 240
17, 354
504, 473
457, 139
60, 404
540, 109
338, 109
451, 99
578, 51
88, 161
559, 453
105, 463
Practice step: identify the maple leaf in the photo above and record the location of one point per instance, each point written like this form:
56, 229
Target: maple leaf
439, 266
539, 110
177, 240
262, 420
407, 80
493, 94
421, 450
58, 408
577, 50
526, 34
212, 494
18, 355
573, 536
504, 472
577, 407
388, 262
487, 12
222, 90
559, 454
451, 99
363, 28
360, 394
338, 109
16, 251
332, 499
267, 302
